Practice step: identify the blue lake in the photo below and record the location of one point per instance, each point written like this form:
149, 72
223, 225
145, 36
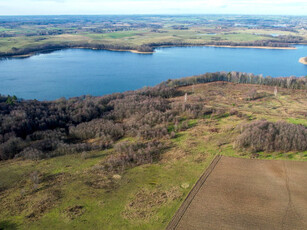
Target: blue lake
75, 72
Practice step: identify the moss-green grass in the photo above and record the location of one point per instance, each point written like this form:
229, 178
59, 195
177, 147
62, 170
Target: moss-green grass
298, 121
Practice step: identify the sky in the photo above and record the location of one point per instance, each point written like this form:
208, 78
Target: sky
61, 7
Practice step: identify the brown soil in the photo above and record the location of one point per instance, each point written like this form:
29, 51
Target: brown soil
247, 194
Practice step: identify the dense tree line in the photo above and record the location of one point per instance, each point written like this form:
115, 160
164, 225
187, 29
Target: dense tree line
48, 47
34, 129
239, 77
266, 43
268, 136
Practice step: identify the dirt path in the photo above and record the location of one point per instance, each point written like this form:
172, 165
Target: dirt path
237, 193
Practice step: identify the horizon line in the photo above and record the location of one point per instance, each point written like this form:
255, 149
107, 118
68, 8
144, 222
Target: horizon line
155, 14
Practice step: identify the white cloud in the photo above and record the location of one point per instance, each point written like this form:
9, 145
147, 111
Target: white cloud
27, 7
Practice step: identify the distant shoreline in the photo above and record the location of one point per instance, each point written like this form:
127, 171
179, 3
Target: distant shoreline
303, 60
52, 50
141, 52
132, 51
255, 47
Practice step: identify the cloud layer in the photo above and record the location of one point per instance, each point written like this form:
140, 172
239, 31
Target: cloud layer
39, 7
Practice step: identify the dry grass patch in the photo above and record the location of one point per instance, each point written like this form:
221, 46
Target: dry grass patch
173, 155
100, 180
74, 212
38, 205
145, 203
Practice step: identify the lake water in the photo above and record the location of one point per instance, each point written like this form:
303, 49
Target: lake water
76, 72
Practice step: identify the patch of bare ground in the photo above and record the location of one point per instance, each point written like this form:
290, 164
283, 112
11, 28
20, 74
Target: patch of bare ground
249, 194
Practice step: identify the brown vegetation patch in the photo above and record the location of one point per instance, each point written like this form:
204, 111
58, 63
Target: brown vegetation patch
133, 154
173, 154
269, 136
30, 203
38, 205
214, 130
74, 212
55, 179
145, 203
101, 180
36, 195
200, 158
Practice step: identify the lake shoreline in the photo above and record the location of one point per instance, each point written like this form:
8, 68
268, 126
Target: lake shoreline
52, 50
82, 71
141, 52
303, 60
255, 47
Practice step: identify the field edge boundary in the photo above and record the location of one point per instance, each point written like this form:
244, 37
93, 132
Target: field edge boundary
190, 197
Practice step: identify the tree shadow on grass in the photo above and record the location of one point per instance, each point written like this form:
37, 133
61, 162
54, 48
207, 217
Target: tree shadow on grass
7, 225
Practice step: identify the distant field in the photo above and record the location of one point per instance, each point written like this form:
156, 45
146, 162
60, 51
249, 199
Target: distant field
132, 32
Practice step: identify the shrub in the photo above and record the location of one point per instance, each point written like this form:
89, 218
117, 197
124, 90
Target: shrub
133, 154
34, 177
251, 95
10, 148
32, 154
269, 136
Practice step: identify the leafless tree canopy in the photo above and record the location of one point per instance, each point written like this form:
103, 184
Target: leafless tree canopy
268, 136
